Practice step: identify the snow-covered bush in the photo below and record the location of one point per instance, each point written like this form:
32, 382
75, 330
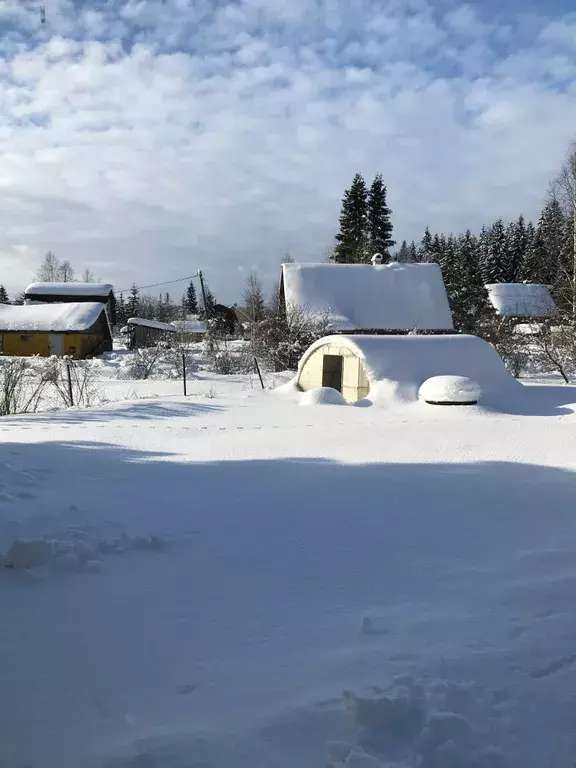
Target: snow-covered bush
285, 334
20, 387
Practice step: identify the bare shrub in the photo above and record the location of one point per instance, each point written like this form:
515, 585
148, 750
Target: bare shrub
555, 347
146, 361
20, 389
285, 334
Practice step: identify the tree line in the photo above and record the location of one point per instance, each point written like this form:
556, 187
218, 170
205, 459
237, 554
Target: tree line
519, 251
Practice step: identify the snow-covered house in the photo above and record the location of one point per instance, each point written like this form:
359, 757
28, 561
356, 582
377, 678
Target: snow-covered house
58, 293
77, 329
361, 298
521, 300
392, 331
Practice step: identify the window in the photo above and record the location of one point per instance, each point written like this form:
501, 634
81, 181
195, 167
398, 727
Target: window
27, 338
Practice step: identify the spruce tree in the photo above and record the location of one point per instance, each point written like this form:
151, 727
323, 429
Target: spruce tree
552, 227
121, 313
425, 252
379, 224
517, 246
133, 303
494, 263
4, 298
403, 255
471, 299
351, 242
191, 300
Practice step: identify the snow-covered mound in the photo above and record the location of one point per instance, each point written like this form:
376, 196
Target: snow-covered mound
457, 390
322, 396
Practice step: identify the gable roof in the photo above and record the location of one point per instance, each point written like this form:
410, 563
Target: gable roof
50, 318
102, 290
390, 297
521, 300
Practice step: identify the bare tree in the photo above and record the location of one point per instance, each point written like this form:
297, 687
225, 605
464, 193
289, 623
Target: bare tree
564, 189
88, 276
49, 271
554, 346
254, 298
66, 272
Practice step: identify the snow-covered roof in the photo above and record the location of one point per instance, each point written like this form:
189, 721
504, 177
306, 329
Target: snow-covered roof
69, 289
365, 297
399, 365
50, 318
190, 326
521, 300
156, 324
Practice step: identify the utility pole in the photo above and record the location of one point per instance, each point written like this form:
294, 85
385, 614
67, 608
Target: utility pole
200, 275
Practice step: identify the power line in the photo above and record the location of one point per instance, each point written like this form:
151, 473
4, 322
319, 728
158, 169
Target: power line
157, 285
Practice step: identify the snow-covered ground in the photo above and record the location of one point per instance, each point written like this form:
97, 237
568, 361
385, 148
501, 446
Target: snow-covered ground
242, 581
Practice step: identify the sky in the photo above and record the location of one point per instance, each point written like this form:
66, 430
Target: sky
147, 139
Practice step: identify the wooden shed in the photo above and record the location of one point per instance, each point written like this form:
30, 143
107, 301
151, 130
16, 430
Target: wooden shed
58, 293
79, 330
147, 333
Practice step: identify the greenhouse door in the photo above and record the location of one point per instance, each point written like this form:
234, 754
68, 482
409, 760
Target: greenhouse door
332, 372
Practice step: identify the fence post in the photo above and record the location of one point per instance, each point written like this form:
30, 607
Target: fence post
184, 373
258, 372
70, 388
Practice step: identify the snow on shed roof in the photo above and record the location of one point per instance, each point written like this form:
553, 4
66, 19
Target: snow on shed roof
521, 300
399, 365
365, 297
191, 326
156, 324
69, 289
51, 318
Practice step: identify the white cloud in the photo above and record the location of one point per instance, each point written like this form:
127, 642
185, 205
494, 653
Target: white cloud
146, 140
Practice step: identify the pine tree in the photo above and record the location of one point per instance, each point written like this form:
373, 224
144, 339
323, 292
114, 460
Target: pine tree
4, 298
191, 300
517, 246
425, 252
552, 225
379, 224
494, 261
133, 303
351, 242
403, 255
471, 298
113, 309
121, 313
20, 300
412, 253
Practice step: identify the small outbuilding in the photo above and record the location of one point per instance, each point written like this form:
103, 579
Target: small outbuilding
365, 298
79, 330
58, 293
191, 329
393, 367
147, 333
522, 300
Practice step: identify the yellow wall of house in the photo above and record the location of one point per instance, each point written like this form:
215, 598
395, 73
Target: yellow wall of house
355, 384
77, 345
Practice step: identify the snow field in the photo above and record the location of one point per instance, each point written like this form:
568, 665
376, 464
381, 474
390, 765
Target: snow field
384, 587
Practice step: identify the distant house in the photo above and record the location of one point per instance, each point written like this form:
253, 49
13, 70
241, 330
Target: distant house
522, 300
361, 298
226, 319
147, 333
58, 293
77, 329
